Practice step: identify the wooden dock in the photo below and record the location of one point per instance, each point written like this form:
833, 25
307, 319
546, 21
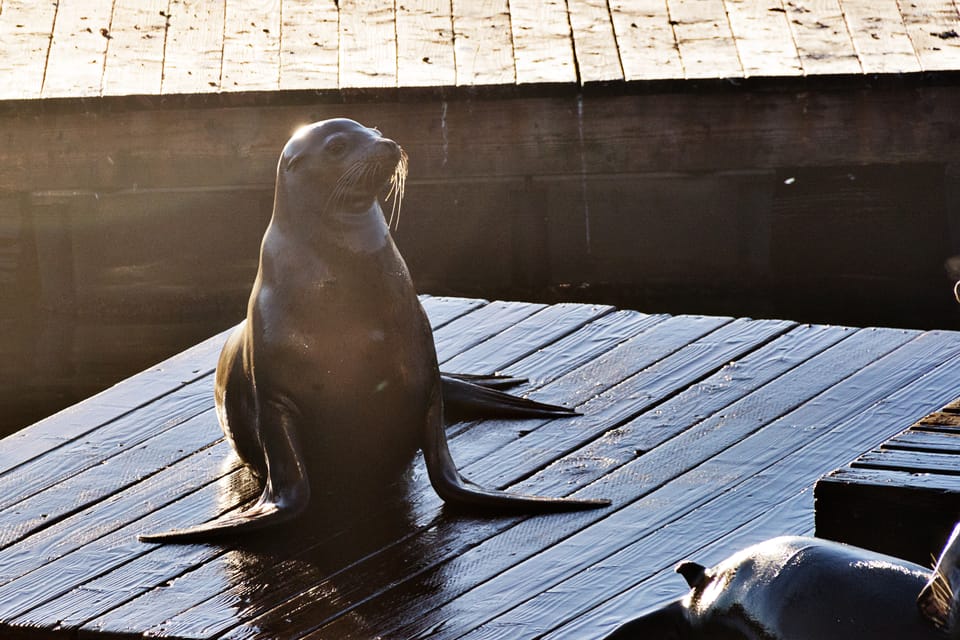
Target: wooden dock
707, 433
92, 48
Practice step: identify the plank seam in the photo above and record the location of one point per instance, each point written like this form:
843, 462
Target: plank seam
676, 40
46, 59
573, 45
733, 36
456, 82
106, 51
203, 374
163, 55
666, 398
80, 507
793, 38
131, 558
223, 47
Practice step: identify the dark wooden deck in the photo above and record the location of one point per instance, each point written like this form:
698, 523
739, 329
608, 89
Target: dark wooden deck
707, 433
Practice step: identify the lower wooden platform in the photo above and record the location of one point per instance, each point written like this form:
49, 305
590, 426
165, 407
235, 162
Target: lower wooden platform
707, 433
901, 498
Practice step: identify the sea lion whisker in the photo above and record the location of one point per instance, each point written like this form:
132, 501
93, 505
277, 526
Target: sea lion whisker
397, 185
351, 176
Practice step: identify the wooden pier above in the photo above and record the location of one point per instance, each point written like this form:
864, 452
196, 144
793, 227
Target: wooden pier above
89, 48
707, 433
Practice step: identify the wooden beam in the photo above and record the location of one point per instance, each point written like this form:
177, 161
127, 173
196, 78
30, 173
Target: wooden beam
880, 36
78, 50
483, 43
542, 42
309, 45
934, 30
25, 28
134, 63
194, 50
645, 40
251, 46
368, 44
823, 39
425, 53
763, 37
707, 48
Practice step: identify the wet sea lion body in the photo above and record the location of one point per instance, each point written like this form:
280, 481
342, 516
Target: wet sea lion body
331, 384
795, 588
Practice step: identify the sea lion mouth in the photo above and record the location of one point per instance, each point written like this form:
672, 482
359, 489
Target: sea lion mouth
361, 182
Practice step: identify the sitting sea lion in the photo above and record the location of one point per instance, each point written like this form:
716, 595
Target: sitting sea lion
331, 383
795, 588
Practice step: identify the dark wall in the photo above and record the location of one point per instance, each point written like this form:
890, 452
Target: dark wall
128, 231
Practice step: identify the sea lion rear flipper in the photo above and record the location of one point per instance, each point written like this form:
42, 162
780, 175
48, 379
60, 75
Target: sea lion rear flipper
454, 488
466, 400
286, 490
666, 623
491, 381
938, 598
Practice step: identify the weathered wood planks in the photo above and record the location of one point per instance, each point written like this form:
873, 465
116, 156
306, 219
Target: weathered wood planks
118, 47
706, 432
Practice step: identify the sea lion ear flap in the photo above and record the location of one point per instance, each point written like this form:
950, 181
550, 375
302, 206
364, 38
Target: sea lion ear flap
692, 572
938, 598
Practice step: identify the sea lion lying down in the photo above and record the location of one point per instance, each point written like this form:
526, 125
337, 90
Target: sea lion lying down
794, 588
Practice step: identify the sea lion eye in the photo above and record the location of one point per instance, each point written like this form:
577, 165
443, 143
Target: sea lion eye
336, 145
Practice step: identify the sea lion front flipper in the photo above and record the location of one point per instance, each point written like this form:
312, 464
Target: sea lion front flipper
454, 488
465, 400
666, 623
286, 490
938, 598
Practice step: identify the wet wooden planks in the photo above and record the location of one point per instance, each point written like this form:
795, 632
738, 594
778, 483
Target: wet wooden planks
86, 48
707, 433
902, 497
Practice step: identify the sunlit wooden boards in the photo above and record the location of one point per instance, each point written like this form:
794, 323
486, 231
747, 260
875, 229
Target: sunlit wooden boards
81, 49
707, 433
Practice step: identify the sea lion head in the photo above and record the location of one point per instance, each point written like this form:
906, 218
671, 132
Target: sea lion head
342, 166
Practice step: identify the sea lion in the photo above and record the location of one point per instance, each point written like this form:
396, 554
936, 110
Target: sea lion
796, 588
331, 383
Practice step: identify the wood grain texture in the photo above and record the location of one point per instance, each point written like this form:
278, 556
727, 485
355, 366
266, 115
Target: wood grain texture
934, 30
880, 36
425, 47
542, 42
115, 47
193, 57
78, 49
135, 49
707, 47
764, 41
368, 44
251, 46
822, 37
646, 40
483, 43
309, 45
25, 29
594, 42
